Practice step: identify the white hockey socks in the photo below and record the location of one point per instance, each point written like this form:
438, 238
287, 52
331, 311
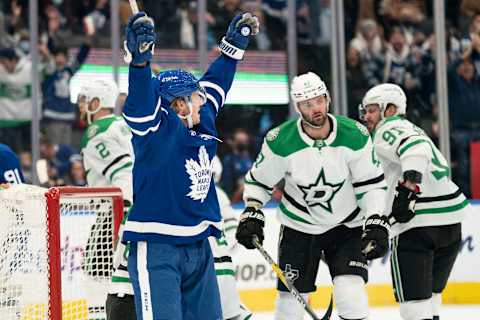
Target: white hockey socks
288, 308
350, 297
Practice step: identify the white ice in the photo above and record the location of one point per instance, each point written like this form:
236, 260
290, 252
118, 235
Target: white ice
450, 312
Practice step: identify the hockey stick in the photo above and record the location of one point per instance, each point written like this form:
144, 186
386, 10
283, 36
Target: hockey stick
288, 283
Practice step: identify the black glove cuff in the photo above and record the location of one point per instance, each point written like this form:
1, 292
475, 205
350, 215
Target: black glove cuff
252, 213
377, 221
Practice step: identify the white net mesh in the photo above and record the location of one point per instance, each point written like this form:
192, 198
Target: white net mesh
23, 254
86, 250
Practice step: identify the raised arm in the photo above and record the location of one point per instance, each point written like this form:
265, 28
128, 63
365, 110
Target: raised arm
142, 110
218, 79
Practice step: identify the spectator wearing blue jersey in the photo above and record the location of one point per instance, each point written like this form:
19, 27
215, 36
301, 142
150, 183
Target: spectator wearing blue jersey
10, 169
172, 119
58, 111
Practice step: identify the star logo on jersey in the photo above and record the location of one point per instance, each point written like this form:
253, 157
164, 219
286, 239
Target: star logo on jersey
321, 192
200, 174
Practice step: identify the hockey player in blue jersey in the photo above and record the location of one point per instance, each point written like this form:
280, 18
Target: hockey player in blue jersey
10, 169
176, 207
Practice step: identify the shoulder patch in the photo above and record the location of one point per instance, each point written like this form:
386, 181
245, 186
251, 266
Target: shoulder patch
362, 128
285, 139
350, 134
273, 134
92, 131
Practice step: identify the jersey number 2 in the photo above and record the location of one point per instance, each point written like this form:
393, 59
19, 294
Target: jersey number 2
102, 150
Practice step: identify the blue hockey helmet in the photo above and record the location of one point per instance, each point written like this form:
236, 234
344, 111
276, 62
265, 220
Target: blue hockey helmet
178, 84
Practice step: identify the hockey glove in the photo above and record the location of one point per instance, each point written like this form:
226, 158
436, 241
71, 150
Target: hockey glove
140, 39
238, 35
375, 236
251, 223
403, 209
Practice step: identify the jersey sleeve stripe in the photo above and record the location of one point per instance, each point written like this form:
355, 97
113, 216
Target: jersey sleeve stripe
256, 182
295, 203
207, 85
145, 132
291, 215
126, 165
212, 99
222, 259
402, 150
375, 180
149, 117
115, 161
450, 196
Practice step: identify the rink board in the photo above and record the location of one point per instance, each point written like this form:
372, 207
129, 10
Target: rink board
257, 283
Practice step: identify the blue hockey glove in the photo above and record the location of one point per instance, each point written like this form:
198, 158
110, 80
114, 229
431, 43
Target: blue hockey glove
238, 35
140, 39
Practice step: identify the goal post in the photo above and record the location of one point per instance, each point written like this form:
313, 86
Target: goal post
56, 251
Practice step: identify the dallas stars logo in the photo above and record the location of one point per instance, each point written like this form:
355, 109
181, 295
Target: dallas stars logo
321, 192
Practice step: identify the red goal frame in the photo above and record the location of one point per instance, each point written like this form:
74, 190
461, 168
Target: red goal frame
53, 196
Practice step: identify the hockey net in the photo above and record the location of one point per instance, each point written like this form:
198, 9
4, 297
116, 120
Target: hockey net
56, 250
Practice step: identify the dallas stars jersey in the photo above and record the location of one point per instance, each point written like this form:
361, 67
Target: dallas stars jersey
108, 158
327, 181
402, 146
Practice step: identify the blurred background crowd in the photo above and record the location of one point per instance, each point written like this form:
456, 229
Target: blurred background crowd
386, 41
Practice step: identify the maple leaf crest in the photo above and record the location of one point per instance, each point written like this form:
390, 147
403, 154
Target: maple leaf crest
200, 174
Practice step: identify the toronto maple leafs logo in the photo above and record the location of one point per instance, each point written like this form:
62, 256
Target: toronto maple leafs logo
200, 174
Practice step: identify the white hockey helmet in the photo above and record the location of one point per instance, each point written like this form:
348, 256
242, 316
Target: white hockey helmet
105, 90
308, 86
217, 169
385, 94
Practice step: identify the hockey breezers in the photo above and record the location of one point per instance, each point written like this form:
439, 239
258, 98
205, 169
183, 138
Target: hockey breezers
288, 283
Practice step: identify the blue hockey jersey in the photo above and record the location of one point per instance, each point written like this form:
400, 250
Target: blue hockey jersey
174, 194
10, 169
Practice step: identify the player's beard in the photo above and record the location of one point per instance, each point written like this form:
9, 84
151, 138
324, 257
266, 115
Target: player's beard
317, 120
370, 125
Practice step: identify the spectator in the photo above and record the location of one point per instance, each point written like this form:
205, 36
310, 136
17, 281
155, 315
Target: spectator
25, 158
56, 33
367, 41
76, 174
395, 65
6, 40
58, 111
58, 156
407, 13
236, 165
464, 93
275, 13
54, 179
470, 44
356, 83
17, 19
227, 10
15, 103
166, 15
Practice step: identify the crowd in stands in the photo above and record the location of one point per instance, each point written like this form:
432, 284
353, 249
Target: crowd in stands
387, 41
